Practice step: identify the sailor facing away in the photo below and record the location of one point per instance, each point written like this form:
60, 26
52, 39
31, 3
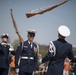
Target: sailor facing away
58, 51
5, 51
27, 51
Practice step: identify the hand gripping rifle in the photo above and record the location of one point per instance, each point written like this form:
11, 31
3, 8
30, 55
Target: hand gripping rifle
15, 26
33, 13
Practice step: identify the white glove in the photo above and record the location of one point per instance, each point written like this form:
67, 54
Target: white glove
40, 61
17, 70
11, 48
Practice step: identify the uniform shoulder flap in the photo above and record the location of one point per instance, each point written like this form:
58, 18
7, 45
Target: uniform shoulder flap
52, 49
36, 49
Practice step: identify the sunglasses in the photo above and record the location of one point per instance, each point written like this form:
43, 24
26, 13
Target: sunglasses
32, 35
5, 37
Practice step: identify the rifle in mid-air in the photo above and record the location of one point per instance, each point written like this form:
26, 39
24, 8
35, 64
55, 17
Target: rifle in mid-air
15, 26
33, 13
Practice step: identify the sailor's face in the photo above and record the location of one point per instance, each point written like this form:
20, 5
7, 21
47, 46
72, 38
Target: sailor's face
4, 40
30, 38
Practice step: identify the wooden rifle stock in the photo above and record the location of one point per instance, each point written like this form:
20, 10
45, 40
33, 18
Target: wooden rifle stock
15, 26
30, 14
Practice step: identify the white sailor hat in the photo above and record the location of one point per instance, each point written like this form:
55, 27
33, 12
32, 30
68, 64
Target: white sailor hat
64, 31
31, 30
4, 36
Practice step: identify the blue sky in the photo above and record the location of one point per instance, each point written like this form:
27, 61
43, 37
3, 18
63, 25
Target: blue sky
46, 24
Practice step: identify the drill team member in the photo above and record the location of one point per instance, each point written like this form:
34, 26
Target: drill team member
27, 51
58, 51
5, 50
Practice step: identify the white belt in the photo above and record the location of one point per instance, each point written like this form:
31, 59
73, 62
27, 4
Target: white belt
27, 57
